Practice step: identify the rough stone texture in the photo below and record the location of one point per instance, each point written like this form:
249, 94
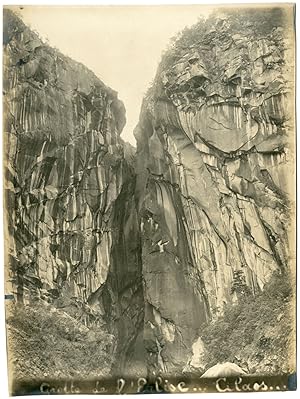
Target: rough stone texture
213, 158
152, 248
69, 177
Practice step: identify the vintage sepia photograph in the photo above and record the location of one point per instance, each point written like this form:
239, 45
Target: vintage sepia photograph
149, 174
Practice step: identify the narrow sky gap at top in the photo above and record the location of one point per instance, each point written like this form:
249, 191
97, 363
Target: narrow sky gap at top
121, 45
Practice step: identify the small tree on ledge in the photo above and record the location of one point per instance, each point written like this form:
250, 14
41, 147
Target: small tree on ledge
239, 285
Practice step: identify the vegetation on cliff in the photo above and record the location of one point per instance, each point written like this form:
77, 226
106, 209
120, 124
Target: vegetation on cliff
48, 343
258, 332
136, 258
215, 143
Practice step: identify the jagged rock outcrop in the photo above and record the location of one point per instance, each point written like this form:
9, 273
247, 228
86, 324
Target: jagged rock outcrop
72, 225
213, 160
151, 247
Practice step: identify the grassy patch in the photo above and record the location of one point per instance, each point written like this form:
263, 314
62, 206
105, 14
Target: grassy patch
46, 342
258, 332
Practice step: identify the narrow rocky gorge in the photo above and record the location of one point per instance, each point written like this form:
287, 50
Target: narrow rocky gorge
155, 244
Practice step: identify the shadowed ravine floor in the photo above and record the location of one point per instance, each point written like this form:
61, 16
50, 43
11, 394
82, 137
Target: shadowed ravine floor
165, 259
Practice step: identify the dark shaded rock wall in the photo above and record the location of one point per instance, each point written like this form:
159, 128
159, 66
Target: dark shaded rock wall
151, 249
69, 186
213, 160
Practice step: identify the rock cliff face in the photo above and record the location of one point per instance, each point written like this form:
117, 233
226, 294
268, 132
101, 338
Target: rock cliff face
152, 248
69, 179
213, 159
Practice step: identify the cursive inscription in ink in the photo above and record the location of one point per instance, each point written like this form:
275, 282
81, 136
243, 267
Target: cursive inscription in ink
222, 384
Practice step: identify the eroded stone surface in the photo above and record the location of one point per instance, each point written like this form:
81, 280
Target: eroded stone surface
153, 253
71, 219
213, 158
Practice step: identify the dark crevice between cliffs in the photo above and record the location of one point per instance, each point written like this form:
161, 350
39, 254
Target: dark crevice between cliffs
125, 305
143, 260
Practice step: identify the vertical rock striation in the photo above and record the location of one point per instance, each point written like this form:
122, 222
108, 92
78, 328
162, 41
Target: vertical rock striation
69, 185
155, 246
213, 156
